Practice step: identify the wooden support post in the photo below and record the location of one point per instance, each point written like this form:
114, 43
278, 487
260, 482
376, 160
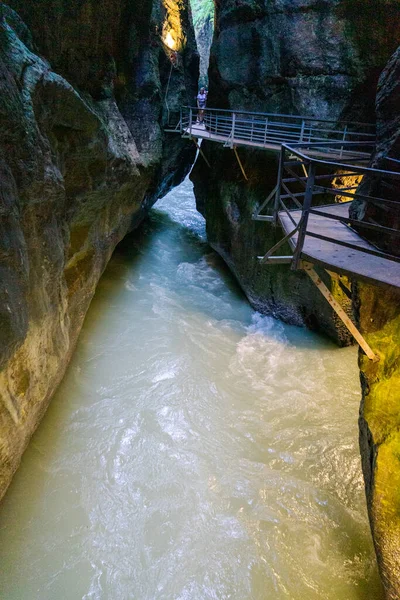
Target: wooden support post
201, 152
309, 269
240, 163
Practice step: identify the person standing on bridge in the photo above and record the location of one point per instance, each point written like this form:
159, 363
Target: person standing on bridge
201, 104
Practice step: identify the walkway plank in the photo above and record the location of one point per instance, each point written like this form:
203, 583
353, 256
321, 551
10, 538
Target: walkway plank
340, 259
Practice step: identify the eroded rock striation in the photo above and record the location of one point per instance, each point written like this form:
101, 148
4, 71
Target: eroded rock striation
83, 155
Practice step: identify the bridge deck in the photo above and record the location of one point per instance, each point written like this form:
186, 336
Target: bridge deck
373, 269
274, 145
200, 131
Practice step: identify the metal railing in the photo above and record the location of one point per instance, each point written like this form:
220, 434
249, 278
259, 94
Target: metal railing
263, 129
302, 178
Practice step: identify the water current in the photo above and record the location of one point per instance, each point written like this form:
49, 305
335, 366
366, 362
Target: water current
195, 450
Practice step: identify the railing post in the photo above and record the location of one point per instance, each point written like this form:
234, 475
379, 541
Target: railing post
344, 139
265, 132
190, 120
278, 186
308, 195
233, 127
303, 124
180, 121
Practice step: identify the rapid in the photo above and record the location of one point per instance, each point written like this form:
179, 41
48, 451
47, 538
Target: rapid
196, 450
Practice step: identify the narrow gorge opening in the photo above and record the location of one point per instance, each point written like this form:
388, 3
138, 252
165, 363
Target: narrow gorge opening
203, 20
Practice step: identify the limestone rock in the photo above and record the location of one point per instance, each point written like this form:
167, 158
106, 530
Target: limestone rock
386, 157
379, 315
288, 56
82, 157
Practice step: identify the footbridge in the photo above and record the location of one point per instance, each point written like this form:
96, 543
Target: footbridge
321, 166
267, 131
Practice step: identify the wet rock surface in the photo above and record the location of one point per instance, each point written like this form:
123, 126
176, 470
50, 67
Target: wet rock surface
83, 156
293, 57
379, 316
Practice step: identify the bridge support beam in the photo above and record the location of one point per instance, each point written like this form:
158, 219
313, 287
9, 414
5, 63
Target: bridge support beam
240, 163
201, 152
258, 216
309, 269
267, 257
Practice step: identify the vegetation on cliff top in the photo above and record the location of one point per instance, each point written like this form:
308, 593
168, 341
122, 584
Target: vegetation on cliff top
203, 10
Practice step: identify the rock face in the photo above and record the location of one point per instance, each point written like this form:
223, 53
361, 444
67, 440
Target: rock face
386, 157
288, 56
379, 317
83, 155
302, 56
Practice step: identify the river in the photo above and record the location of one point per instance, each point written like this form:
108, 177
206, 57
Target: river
195, 450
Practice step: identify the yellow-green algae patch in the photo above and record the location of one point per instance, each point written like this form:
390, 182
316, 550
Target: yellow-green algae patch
385, 513
381, 408
382, 395
380, 424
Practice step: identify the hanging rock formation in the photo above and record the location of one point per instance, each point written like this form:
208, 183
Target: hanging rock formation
302, 57
83, 156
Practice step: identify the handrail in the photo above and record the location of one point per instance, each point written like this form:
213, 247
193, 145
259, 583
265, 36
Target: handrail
357, 168
313, 188
264, 130
264, 114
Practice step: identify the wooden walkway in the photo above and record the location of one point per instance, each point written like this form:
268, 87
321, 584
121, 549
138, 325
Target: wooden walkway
335, 257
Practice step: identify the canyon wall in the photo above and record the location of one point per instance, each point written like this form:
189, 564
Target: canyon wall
379, 318
307, 57
83, 155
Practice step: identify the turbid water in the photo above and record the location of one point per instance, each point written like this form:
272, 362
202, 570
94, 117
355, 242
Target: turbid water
196, 450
